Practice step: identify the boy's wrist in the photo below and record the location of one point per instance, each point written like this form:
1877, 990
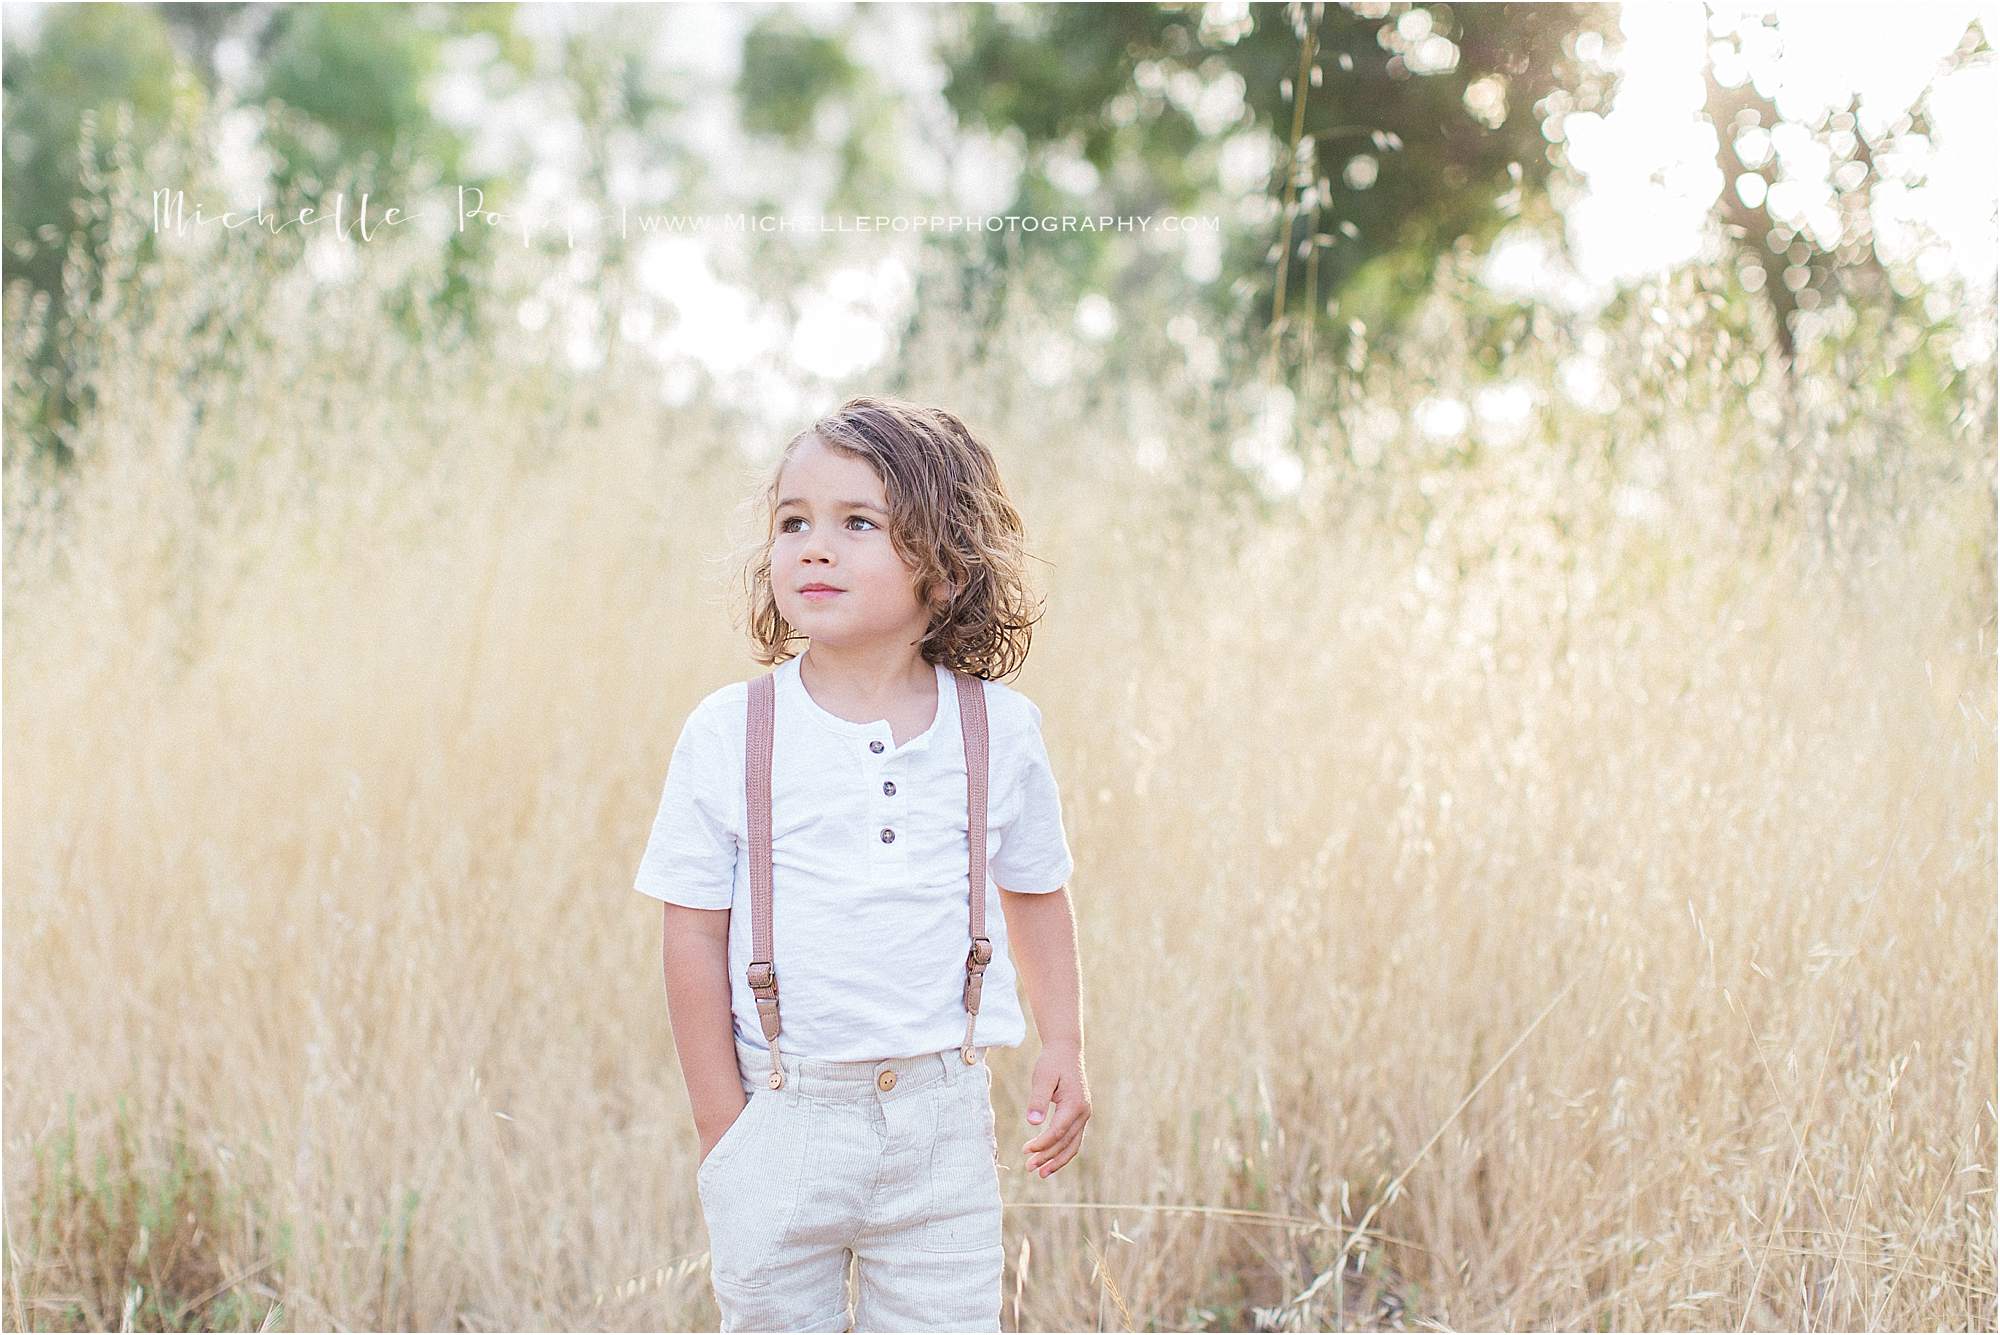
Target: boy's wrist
710, 1128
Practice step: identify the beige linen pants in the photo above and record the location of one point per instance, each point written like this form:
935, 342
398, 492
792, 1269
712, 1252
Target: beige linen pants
890, 1164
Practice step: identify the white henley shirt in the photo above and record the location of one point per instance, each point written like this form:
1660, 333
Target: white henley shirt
869, 893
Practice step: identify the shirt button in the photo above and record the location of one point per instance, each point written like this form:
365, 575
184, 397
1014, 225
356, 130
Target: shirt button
886, 1080
876, 747
888, 836
889, 789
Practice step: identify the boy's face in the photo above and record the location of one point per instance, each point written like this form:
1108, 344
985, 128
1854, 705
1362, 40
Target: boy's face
821, 537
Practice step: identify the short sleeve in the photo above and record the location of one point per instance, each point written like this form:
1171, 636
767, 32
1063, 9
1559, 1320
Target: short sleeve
690, 857
1032, 856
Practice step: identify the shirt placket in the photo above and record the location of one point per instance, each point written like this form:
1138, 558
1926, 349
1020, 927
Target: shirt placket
888, 840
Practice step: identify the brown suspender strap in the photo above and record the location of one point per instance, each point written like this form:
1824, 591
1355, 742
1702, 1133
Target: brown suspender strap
759, 728
972, 723
757, 812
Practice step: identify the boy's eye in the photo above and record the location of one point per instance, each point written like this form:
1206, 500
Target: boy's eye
784, 525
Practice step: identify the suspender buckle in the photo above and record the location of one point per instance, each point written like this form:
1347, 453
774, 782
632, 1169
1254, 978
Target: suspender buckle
764, 983
976, 961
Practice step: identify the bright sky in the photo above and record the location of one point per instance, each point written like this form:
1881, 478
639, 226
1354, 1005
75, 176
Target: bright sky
1650, 163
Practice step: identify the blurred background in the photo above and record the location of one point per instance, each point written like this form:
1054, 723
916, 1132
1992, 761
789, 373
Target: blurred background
1515, 489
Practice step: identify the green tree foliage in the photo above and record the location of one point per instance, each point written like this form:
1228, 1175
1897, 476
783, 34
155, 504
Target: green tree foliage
800, 87
343, 95
788, 70
88, 59
346, 92
101, 86
1419, 128
352, 80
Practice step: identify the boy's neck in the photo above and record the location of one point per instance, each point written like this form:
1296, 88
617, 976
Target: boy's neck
866, 678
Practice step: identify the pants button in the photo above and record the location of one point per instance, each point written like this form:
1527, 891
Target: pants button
886, 1080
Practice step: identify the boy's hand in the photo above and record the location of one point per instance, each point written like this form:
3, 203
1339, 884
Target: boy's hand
1059, 1103
708, 1139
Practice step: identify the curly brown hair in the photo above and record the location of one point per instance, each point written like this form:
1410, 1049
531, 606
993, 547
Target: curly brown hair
950, 520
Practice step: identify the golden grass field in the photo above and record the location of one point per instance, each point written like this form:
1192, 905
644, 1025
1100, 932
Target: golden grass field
1576, 915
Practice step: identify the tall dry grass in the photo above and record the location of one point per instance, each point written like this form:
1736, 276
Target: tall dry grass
1512, 893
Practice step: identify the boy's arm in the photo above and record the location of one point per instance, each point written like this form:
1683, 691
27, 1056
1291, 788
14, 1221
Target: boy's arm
1041, 938
694, 948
